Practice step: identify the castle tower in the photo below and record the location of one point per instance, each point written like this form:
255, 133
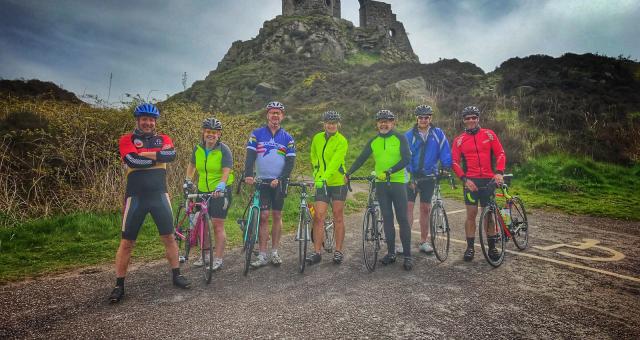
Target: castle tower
311, 7
376, 14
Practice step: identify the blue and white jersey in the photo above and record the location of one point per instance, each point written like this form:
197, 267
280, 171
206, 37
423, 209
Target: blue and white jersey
271, 150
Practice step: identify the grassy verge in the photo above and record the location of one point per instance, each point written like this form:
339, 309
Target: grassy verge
64, 242
575, 185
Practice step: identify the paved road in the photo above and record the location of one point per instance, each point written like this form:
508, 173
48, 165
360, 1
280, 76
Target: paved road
536, 294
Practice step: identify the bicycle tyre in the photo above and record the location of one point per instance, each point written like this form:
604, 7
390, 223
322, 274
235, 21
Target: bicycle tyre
303, 240
251, 235
488, 213
519, 224
440, 232
178, 226
208, 270
329, 242
370, 240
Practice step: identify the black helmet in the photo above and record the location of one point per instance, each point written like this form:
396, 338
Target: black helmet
211, 124
331, 116
470, 111
385, 114
423, 110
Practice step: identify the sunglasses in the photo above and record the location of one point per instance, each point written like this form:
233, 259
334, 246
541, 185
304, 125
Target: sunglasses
470, 118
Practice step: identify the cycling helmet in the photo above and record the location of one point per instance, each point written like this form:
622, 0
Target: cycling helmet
275, 105
423, 110
470, 111
212, 124
146, 109
385, 114
331, 116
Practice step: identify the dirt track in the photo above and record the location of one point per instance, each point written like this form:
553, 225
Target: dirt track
536, 294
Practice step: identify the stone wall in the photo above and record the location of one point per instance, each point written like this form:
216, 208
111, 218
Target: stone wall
310, 7
379, 16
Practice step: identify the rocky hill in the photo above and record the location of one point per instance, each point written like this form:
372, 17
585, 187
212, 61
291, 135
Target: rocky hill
585, 104
36, 89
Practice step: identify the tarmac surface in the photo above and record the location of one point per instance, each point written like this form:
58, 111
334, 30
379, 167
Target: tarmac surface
580, 278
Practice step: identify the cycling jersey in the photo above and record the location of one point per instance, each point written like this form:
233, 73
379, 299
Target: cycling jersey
273, 154
390, 152
471, 154
327, 158
425, 154
145, 175
209, 164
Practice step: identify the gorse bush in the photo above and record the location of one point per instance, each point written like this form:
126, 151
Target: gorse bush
60, 157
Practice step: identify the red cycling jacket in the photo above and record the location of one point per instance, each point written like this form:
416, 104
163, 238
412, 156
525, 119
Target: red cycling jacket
145, 175
474, 150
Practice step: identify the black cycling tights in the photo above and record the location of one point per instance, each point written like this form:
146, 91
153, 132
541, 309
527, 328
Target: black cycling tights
394, 194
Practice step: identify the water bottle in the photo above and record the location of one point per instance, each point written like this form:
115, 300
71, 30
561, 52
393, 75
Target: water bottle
193, 218
506, 216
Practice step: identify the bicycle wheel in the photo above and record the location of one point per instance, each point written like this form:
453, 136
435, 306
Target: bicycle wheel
491, 236
439, 227
180, 225
251, 234
329, 243
370, 240
206, 252
519, 224
303, 240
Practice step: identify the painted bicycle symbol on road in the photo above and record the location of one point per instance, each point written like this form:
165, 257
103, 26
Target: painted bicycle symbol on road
586, 244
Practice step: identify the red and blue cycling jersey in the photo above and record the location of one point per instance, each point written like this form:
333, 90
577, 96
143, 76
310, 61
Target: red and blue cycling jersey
271, 151
471, 154
145, 175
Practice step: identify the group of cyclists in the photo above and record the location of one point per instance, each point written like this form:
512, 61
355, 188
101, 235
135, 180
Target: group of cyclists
404, 167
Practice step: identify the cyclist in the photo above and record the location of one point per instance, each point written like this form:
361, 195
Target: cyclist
391, 155
472, 152
213, 161
272, 150
145, 154
428, 145
328, 150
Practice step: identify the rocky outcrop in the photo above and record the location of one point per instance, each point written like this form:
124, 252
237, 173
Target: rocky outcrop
325, 38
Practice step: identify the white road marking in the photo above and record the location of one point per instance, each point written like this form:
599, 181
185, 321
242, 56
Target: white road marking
567, 264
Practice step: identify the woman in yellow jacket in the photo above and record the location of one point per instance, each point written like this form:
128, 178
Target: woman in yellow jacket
212, 161
328, 150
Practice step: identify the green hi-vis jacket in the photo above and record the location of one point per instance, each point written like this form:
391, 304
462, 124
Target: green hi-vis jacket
209, 166
327, 158
390, 152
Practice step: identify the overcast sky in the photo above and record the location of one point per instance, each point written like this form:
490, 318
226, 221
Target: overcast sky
148, 44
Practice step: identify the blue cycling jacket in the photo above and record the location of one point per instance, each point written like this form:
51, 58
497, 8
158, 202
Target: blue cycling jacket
437, 149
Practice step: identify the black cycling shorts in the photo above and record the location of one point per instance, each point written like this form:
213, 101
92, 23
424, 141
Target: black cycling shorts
334, 193
425, 187
483, 194
219, 207
136, 209
271, 198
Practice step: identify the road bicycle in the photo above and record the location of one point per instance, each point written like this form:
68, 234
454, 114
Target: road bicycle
193, 228
438, 221
372, 230
329, 240
250, 223
511, 219
303, 232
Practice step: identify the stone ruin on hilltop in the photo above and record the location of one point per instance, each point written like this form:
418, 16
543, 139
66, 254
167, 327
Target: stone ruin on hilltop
374, 15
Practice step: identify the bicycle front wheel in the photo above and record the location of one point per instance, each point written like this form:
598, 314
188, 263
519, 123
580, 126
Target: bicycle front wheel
206, 251
251, 234
439, 227
519, 224
329, 243
370, 240
303, 240
492, 238
181, 226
